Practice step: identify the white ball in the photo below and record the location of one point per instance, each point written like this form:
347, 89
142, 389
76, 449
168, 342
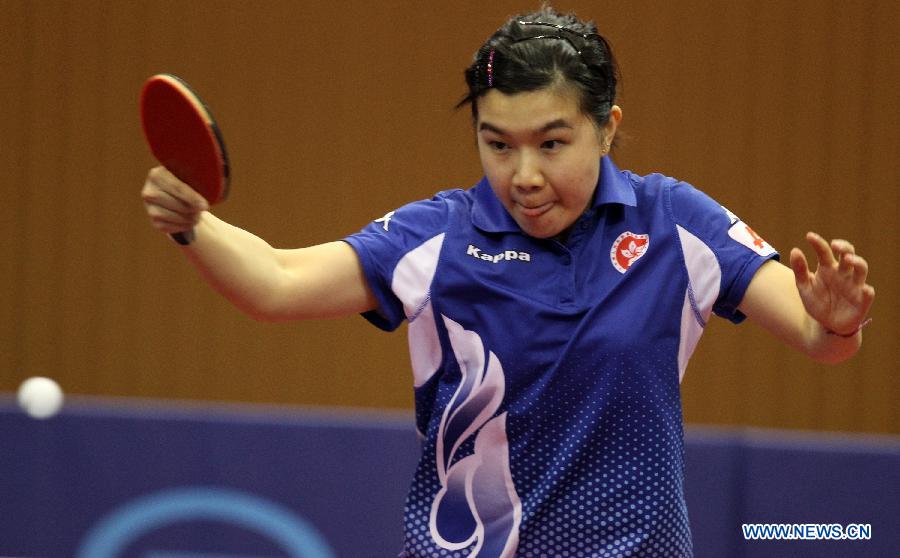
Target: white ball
40, 397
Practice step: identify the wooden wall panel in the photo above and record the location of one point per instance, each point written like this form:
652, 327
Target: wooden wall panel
334, 114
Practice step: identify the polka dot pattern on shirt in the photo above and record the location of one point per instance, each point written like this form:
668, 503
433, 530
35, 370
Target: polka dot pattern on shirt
597, 461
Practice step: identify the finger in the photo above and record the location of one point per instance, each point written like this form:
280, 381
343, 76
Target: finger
841, 246
166, 217
170, 227
822, 249
153, 195
159, 189
170, 184
800, 267
866, 298
846, 264
844, 253
860, 270
162, 188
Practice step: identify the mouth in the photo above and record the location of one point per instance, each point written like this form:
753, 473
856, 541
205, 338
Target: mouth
536, 210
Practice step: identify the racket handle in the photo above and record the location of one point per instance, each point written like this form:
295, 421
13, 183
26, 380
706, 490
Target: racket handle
183, 238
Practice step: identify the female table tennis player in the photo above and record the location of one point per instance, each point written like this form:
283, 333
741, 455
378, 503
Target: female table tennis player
552, 309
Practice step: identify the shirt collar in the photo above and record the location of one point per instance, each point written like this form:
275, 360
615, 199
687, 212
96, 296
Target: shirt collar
613, 187
489, 215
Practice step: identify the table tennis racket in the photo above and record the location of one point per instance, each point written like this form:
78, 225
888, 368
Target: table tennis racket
184, 138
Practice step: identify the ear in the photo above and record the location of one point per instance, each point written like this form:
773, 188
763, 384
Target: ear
609, 129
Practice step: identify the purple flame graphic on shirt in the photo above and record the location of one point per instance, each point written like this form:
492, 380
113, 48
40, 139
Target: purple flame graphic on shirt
477, 503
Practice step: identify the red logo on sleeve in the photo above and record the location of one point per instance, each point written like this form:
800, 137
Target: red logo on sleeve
742, 233
627, 249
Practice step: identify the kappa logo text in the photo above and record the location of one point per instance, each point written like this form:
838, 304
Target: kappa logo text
506, 255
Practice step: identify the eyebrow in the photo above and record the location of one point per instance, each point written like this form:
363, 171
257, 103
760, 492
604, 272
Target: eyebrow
552, 125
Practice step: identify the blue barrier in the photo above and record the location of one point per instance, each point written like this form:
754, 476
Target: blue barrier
110, 479
777, 477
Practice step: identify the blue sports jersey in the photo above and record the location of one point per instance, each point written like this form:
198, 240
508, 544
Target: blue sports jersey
547, 374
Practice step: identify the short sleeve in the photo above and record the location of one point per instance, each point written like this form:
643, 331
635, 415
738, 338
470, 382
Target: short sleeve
739, 251
383, 243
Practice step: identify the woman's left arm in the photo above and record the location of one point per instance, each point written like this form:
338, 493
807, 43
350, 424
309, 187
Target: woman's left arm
819, 313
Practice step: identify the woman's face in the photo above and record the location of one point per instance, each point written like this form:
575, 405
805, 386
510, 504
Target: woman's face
541, 155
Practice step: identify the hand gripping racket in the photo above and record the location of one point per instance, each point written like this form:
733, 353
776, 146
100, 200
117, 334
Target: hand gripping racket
184, 138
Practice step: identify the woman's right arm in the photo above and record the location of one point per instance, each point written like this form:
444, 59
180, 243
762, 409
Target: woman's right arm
269, 284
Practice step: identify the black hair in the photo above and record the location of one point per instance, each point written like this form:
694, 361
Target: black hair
546, 49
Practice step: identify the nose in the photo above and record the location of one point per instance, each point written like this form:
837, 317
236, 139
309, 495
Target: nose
528, 174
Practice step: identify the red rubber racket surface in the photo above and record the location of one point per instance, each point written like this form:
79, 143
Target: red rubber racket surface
183, 136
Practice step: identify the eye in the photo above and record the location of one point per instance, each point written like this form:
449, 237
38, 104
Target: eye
552, 145
497, 145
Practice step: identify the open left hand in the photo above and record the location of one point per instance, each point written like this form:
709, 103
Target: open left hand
836, 295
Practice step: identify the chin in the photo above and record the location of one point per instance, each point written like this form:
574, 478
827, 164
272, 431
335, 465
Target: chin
542, 232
